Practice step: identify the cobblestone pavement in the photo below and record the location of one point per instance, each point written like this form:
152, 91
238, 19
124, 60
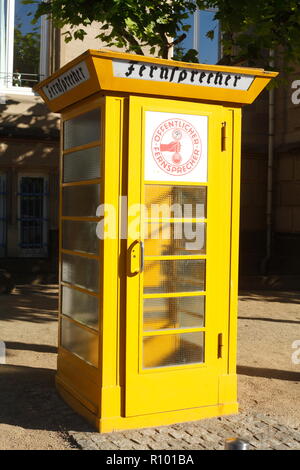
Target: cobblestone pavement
261, 432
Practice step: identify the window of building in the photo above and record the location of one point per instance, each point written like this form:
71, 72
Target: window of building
23, 57
3, 215
201, 22
33, 196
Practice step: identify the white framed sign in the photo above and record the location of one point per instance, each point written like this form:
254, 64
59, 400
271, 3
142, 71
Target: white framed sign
67, 81
181, 75
175, 147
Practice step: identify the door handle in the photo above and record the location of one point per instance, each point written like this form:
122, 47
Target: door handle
142, 256
223, 137
136, 258
220, 345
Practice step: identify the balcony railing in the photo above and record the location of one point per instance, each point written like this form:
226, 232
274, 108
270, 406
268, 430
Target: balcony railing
18, 79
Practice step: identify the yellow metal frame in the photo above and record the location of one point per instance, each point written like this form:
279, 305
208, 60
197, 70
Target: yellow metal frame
70, 367
100, 393
135, 284
116, 393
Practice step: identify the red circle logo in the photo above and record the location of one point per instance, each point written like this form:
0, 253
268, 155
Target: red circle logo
176, 146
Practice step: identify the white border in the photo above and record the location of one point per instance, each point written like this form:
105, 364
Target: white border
152, 171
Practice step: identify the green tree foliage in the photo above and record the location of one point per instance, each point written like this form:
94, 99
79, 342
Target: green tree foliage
249, 28
131, 24
26, 51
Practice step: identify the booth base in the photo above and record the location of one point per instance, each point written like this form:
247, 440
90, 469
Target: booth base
119, 423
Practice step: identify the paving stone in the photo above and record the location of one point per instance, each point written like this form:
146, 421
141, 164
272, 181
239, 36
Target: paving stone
177, 434
149, 432
163, 430
135, 436
282, 447
205, 436
292, 444
192, 439
262, 433
156, 446
139, 447
296, 436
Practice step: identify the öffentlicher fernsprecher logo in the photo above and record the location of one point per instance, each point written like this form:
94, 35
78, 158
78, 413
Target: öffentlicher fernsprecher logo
176, 146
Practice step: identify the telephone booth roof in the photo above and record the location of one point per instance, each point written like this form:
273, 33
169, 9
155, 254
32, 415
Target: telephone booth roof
104, 71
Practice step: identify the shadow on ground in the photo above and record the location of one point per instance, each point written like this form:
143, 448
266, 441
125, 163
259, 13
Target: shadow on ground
269, 373
274, 320
17, 346
37, 304
29, 399
271, 296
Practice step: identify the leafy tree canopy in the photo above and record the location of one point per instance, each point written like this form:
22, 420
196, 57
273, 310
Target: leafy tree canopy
249, 28
26, 51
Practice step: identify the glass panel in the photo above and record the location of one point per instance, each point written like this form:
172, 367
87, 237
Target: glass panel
79, 341
27, 38
173, 350
81, 201
188, 42
196, 37
209, 48
164, 276
80, 236
82, 165
82, 129
83, 272
170, 312
19, 44
175, 201
80, 306
174, 238
3, 42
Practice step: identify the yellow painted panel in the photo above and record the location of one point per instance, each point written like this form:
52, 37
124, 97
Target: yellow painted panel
112, 264
228, 388
115, 423
72, 371
173, 390
76, 401
234, 260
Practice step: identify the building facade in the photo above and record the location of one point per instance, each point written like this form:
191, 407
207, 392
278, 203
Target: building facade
270, 186
29, 142
29, 154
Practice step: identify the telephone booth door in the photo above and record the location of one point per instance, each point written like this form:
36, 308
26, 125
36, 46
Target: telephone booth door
179, 210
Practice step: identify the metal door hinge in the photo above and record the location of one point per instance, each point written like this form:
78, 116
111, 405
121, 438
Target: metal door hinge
223, 137
220, 345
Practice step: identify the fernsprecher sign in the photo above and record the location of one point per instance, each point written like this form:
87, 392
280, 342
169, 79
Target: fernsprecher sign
151, 72
167, 140
187, 76
67, 81
175, 147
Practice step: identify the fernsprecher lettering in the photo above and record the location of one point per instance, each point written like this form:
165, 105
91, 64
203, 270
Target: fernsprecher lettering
176, 146
180, 75
67, 81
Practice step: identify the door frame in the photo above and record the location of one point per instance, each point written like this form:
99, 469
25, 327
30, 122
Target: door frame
138, 106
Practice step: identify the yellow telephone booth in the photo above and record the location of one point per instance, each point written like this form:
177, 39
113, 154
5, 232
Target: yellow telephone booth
149, 221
